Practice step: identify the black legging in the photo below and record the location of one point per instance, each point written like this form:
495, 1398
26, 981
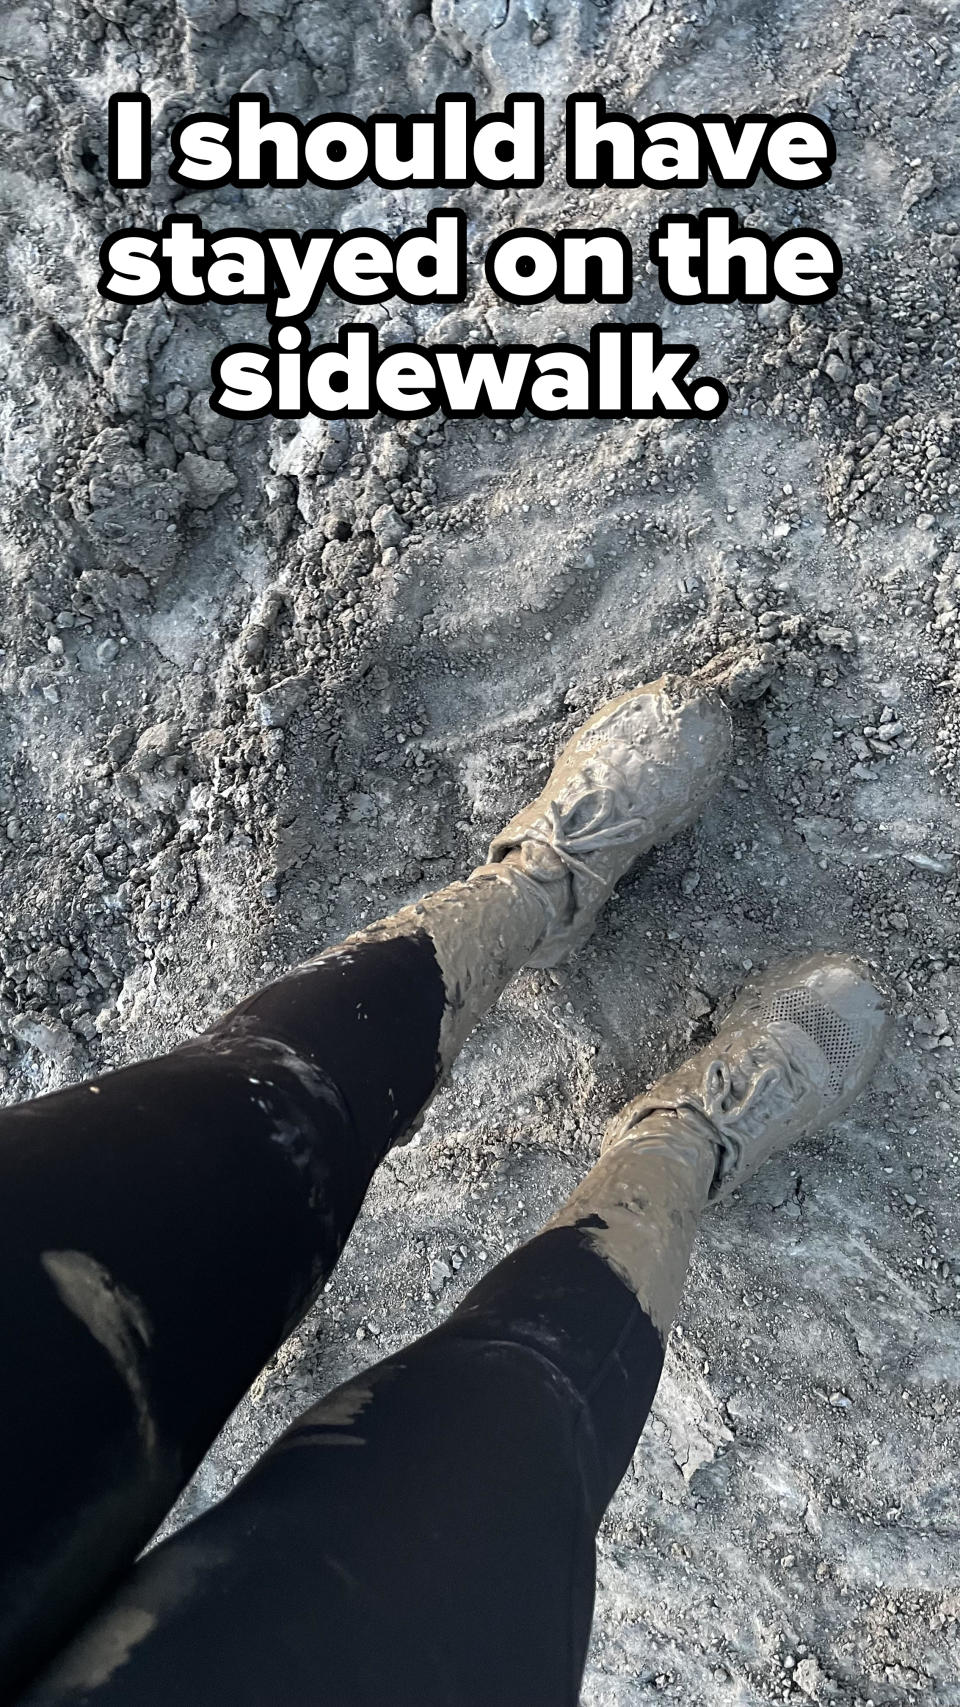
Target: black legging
424, 1535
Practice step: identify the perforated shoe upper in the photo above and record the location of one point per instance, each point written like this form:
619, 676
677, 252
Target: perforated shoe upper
796, 1048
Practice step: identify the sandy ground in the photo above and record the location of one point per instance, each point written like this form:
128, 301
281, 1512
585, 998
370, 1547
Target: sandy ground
263, 682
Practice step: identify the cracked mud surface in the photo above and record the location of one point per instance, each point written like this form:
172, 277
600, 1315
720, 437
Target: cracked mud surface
262, 683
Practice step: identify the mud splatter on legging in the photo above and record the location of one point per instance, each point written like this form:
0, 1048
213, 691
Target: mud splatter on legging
426, 1533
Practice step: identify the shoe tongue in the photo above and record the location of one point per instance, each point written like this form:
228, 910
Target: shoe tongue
673, 1122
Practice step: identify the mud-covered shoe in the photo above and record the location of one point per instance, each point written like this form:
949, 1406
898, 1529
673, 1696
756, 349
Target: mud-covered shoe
798, 1045
637, 772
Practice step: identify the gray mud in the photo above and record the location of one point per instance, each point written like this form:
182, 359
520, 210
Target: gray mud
263, 683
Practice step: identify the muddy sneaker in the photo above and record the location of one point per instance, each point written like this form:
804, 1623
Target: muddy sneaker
799, 1044
637, 772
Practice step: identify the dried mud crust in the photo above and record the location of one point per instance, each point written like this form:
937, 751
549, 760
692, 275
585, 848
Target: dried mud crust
264, 683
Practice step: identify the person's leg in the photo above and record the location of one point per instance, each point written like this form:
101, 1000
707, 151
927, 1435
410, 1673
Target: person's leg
162, 1228
425, 1535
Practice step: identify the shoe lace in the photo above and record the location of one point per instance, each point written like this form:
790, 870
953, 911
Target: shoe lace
725, 1104
605, 828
